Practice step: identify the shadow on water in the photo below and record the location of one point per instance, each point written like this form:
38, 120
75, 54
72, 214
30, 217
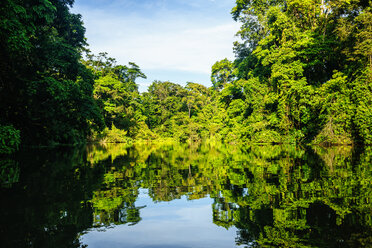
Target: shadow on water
46, 204
276, 196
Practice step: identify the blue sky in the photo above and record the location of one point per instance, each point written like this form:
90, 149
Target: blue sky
174, 40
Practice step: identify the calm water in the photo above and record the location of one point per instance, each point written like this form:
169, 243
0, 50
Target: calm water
174, 196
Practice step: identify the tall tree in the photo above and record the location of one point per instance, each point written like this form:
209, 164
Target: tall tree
300, 51
45, 91
115, 90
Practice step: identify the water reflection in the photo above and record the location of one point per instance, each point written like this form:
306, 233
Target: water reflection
264, 196
46, 205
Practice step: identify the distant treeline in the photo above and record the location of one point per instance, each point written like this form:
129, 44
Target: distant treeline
302, 73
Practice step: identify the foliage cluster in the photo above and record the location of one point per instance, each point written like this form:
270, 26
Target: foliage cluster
304, 70
302, 73
45, 91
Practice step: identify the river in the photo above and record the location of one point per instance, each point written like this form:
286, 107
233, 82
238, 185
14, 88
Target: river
163, 196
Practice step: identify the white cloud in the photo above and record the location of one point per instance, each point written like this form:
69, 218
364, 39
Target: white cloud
163, 40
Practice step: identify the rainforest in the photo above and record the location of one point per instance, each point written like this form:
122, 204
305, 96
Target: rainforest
274, 151
302, 74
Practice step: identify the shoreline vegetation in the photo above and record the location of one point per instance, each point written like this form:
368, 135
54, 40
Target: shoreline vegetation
302, 75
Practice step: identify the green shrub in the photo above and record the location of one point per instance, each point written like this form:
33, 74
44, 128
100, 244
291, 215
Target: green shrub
113, 135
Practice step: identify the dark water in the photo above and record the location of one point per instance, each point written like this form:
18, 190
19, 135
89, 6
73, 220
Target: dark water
174, 196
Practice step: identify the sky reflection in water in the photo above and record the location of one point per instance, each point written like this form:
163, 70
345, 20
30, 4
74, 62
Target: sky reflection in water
180, 223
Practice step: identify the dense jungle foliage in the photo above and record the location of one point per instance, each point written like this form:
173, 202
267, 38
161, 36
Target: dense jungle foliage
302, 73
45, 91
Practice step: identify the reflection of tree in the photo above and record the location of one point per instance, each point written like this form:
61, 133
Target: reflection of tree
47, 205
223, 212
311, 204
115, 204
275, 195
9, 172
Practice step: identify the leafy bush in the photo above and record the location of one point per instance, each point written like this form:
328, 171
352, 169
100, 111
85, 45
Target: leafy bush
113, 135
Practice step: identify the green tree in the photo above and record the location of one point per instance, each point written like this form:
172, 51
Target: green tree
116, 92
45, 92
296, 49
222, 73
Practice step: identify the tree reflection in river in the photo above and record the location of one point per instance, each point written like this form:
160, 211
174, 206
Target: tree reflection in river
282, 196
47, 204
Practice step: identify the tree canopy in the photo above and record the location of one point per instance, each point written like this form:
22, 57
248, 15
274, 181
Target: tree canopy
45, 91
302, 74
